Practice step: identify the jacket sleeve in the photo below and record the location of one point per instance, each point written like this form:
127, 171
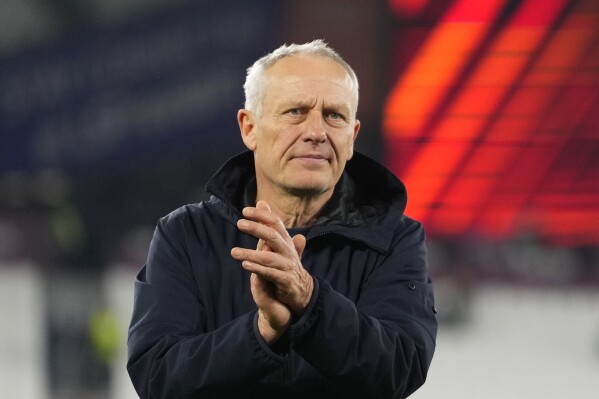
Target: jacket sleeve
170, 353
383, 345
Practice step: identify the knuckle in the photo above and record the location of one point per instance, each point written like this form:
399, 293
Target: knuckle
267, 258
271, 220
273, 235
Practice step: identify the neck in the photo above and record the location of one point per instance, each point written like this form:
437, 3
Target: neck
295, 210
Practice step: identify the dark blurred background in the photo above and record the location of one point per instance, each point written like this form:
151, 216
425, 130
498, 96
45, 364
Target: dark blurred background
115, 112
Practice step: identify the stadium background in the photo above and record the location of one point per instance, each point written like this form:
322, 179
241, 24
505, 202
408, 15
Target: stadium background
113, 113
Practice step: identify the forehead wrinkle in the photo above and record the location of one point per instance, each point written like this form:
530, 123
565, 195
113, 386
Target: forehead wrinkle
295, 92
299, 103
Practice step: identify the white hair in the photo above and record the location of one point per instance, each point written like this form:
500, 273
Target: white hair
256, 80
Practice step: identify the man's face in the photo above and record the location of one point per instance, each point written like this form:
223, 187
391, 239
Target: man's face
307, 128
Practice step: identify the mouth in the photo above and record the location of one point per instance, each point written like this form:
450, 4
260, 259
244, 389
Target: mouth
312, 157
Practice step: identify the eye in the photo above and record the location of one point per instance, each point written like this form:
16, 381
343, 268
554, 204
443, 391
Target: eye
335, 116
295, 111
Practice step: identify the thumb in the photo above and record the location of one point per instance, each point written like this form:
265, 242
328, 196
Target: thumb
299, 242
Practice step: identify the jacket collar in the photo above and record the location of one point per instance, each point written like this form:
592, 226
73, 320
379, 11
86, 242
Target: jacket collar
367, 204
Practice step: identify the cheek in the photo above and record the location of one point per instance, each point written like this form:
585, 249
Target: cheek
350, 147
343, 145
266, 140
286, 139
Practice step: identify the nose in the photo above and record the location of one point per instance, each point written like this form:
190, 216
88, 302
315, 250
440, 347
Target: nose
315, 128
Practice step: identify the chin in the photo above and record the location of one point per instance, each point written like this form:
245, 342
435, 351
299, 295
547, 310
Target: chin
307, 190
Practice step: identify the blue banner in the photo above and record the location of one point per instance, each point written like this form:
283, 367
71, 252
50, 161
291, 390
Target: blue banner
172, 82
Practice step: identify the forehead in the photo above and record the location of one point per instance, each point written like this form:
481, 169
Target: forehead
309, 74
304, 64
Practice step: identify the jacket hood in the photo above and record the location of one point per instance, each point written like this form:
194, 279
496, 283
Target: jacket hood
367, 195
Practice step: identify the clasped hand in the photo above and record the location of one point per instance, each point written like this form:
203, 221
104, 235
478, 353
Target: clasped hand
280, 285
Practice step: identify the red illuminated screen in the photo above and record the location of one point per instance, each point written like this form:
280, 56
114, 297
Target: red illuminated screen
493, 121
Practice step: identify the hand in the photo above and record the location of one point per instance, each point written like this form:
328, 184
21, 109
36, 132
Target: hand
278, 262
273, 316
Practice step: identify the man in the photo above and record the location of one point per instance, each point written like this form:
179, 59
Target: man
300, 277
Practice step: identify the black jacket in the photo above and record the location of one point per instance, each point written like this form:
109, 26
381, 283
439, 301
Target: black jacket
369, 330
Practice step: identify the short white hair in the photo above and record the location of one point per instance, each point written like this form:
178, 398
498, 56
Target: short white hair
256, 80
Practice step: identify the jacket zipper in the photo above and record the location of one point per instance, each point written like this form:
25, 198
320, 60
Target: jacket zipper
285, 376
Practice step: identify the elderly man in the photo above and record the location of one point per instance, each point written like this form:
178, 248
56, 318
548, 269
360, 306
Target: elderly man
301, 277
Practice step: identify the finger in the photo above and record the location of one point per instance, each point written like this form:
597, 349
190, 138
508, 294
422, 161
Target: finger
260, 214
267, 273
262, 246
265, 247
263, 205
257, 229
270, 236
299, 242
263, 258
264, 216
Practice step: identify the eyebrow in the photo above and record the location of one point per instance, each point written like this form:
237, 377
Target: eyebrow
341, 107
337, 107
297, 104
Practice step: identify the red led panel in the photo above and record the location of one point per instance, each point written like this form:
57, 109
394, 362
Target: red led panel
478, 100
436, 66
483, 122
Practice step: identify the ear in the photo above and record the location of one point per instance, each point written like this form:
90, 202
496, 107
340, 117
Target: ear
247, 125
353, 139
